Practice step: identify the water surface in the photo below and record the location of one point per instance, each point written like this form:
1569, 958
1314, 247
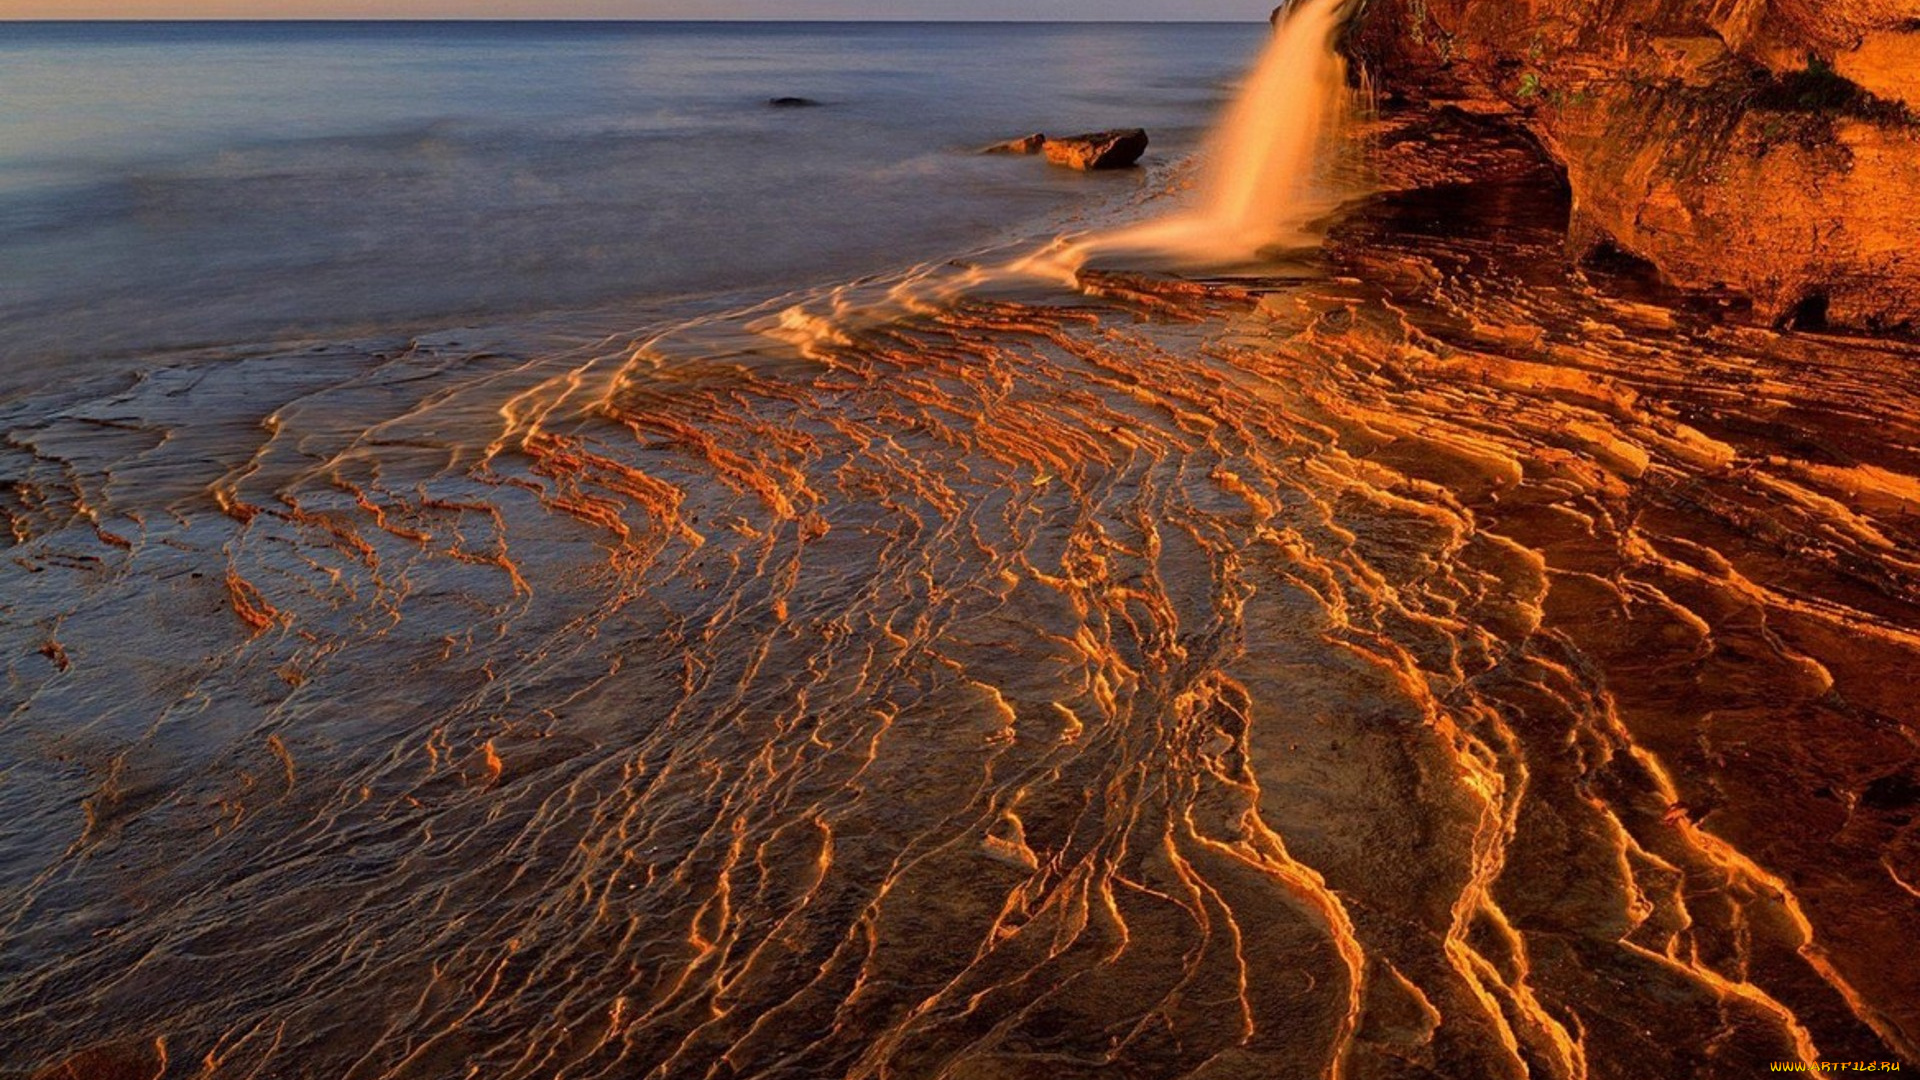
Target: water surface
209, 183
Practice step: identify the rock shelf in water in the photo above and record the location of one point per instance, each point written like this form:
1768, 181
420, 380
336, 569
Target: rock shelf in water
1026, 144
1443, 668
1116, 149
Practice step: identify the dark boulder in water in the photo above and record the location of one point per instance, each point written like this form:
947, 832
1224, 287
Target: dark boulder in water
792, 103
1028, 144
1116, 149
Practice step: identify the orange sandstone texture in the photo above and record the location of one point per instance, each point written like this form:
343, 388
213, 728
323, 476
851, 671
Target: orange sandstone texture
1097, 150
1769, 148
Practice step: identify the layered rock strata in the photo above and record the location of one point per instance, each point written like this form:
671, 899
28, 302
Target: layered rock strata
1769, 148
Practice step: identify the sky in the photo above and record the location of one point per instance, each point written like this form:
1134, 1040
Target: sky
1208, 10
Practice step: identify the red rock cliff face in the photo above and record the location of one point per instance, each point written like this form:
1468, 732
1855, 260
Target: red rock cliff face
1771, 147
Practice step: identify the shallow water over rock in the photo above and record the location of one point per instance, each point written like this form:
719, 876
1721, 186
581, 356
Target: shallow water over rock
1440, 664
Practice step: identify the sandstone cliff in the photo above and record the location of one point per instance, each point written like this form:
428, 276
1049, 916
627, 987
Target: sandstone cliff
1768, 147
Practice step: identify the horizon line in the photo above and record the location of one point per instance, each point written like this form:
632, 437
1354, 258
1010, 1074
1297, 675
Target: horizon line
126, 21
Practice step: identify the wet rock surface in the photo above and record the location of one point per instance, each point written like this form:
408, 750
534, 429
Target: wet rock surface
1451, 664
1098, 150
1768, 148
1026, 144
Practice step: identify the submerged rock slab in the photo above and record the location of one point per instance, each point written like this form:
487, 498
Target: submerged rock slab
1438, 667
1116, 149
1769, 149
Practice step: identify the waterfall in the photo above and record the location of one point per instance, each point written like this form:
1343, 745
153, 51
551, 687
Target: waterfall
1266, 161
1266, 170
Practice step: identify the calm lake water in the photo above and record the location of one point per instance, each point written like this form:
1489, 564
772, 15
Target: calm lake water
169, 185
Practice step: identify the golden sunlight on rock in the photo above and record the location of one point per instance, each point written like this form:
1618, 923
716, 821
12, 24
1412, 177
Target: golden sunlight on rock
1411, 648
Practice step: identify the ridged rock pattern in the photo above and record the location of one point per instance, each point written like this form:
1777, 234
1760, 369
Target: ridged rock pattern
1441, 668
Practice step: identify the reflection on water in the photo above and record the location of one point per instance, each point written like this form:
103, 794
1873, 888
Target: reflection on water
1444, 665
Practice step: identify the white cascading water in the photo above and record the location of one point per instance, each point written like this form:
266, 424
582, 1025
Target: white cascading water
1267, 164
1266, 169
1267, 172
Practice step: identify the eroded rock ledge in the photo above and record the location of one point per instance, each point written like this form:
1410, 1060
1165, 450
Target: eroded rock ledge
1768, 147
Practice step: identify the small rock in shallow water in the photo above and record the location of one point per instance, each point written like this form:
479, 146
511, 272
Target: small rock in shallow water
1098, 150
1029, 144
792, 103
